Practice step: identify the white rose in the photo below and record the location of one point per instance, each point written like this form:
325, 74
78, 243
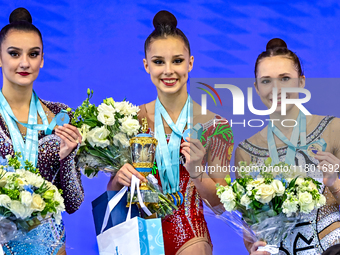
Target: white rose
106, 114
122, 139
130, 126
19, 210
256, 182
26, 198
38, 204
20, 171
104, 108
227, 195
299, 181
278, 187
5, 201
22, 181
290, 207
230, 206
34, 179
227, 199
120, 106
265, 193
126, 108
306, 202
83, 132
321, 201
245, 200
97, 137
312, 186
133, 110
60, 199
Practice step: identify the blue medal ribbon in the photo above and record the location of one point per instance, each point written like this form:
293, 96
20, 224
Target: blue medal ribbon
299, 131
28, 149
167, 154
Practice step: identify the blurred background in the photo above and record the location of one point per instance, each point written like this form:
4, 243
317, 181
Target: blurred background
99, 45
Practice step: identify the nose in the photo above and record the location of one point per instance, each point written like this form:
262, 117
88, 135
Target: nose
168, 70
24, 62
277, 84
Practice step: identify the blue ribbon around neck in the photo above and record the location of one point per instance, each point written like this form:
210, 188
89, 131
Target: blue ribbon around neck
28, 149
167, 154
299, 131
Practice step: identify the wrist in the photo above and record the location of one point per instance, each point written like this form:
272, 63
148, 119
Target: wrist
335, 185
114, 185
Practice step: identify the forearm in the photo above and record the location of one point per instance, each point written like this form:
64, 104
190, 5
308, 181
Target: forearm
335, 190
206, 187
113, 185
71, 183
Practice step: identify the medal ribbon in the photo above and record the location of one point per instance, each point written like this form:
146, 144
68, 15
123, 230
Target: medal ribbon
298, 131
28, 149
167, 154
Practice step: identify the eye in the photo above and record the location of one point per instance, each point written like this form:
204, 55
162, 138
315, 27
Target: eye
34, 54
158, 62
265, 81
13, 54
286, 78
178, 60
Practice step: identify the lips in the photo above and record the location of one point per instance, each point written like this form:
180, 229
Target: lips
278, 100
23, 73
169, 81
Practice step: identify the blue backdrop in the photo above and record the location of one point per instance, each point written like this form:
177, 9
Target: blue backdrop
99, 45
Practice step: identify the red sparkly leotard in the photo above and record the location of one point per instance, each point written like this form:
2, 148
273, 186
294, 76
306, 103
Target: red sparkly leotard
188, 222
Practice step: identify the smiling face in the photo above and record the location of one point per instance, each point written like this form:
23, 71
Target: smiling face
21, 58
279, 72
168, 63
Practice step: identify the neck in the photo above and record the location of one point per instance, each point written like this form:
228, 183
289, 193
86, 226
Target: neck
17, 96
173, 103
292, 114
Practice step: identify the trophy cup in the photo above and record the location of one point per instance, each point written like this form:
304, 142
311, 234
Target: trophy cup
143, 149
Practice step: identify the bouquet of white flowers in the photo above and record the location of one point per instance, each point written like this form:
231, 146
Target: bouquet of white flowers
265, 205
106, 131
25, 199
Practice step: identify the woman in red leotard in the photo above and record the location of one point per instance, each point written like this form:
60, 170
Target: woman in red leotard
168, 60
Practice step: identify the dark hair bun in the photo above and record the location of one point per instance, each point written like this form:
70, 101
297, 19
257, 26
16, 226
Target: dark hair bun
163, 18
276, 43
20, 14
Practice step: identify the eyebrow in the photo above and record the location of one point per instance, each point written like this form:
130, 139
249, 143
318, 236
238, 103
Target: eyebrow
157, 57
15, 48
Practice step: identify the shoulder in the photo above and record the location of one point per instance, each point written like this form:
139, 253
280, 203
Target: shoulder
202, 118
54, 107
146, 110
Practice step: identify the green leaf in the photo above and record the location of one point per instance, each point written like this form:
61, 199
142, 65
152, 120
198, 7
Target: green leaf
228, 180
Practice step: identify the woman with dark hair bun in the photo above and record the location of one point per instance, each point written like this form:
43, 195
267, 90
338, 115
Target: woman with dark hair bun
278, 67
21, 59
168, 60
